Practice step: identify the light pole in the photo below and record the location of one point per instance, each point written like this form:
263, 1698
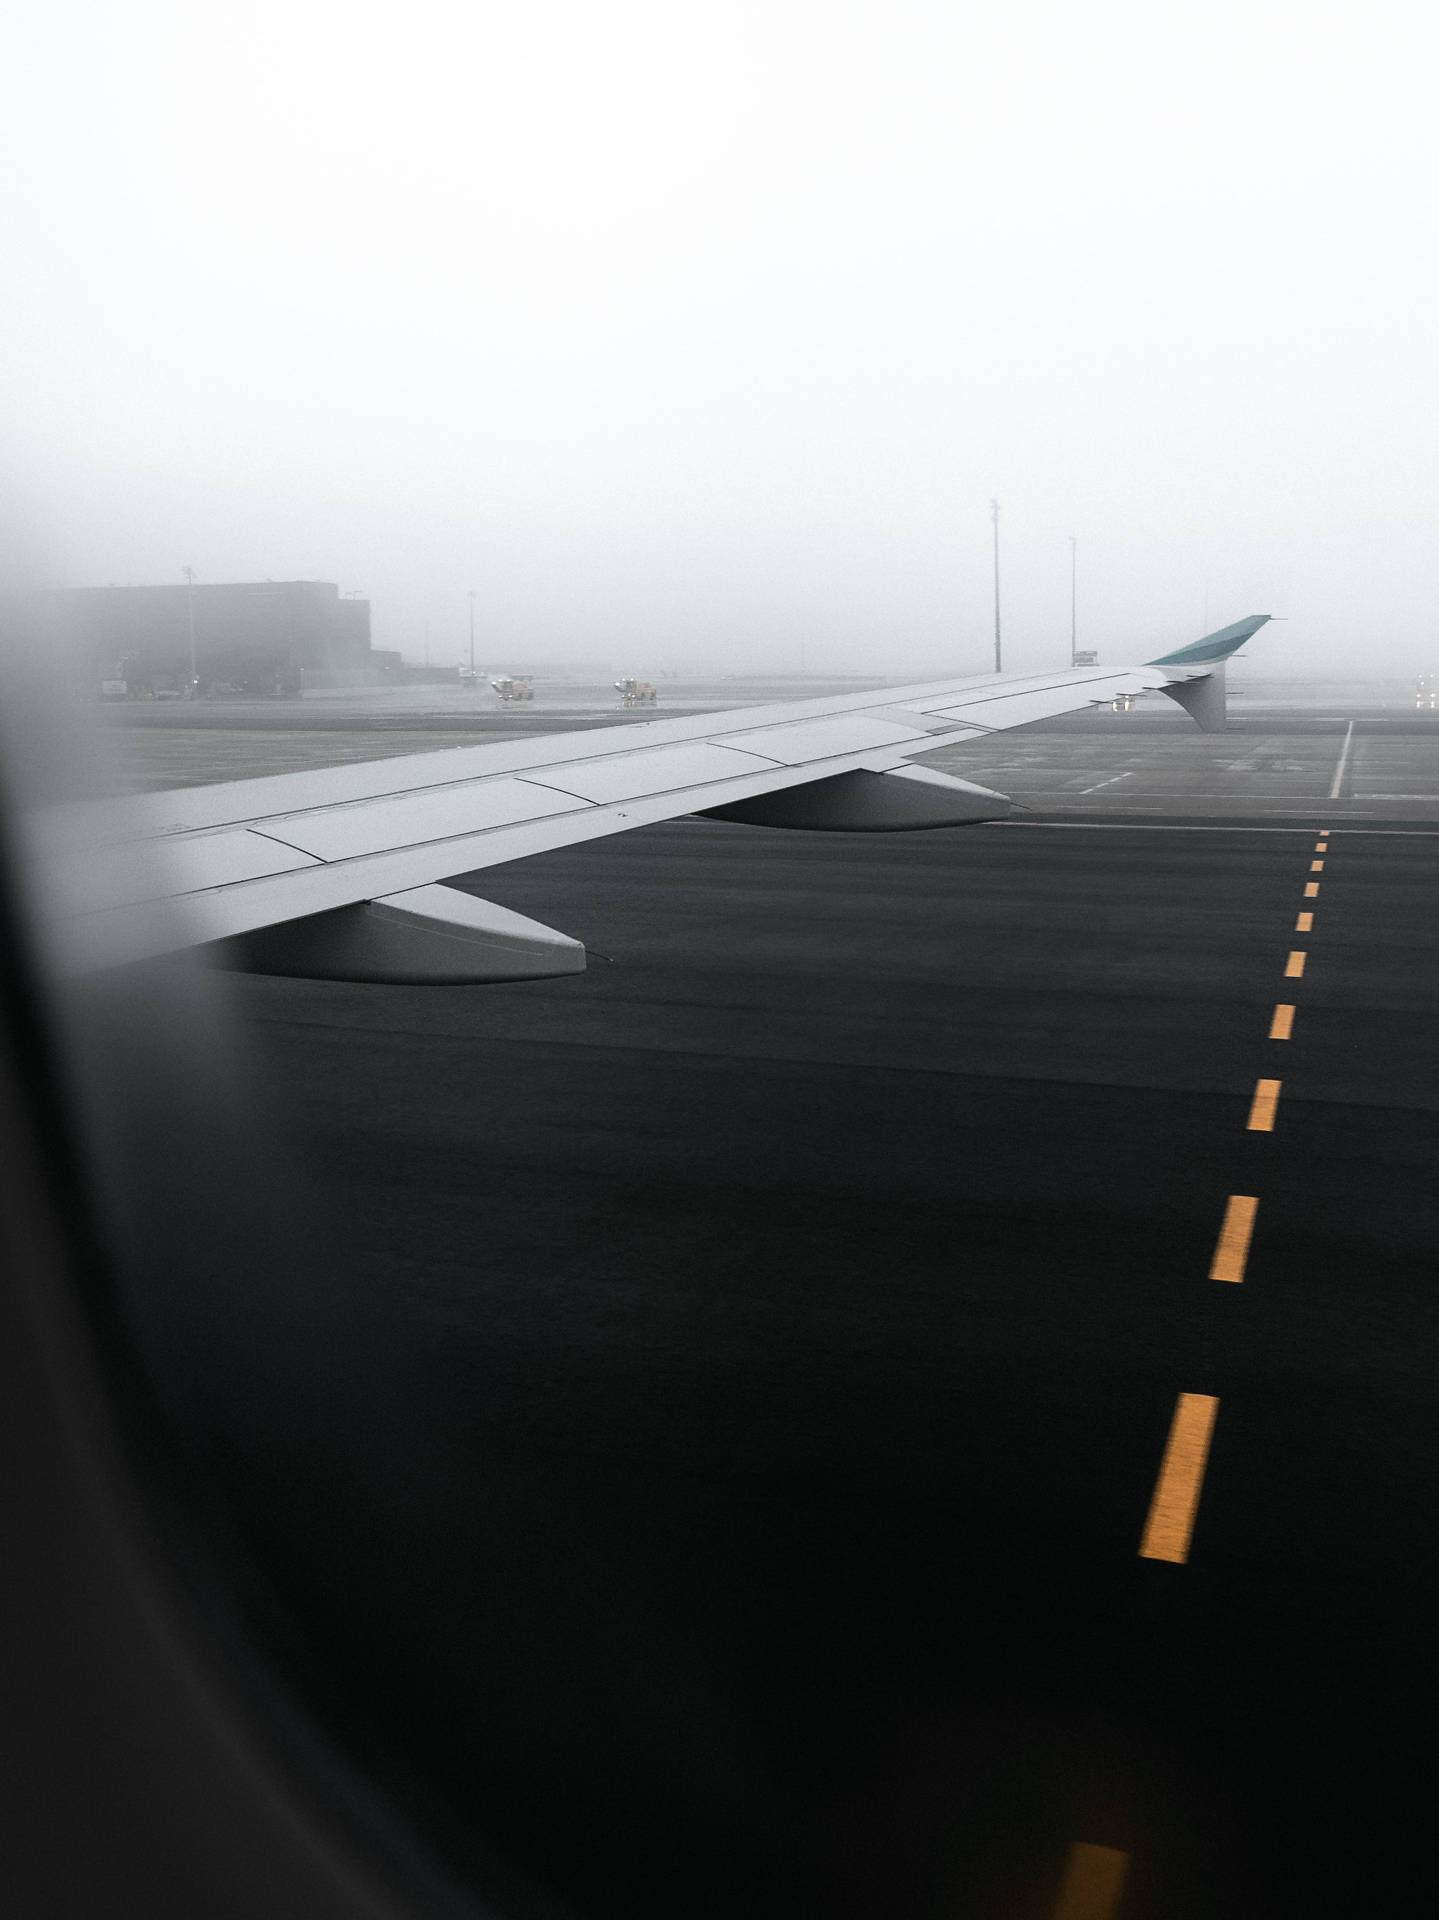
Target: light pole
994, 510
1073, 600
189, 573
472, 638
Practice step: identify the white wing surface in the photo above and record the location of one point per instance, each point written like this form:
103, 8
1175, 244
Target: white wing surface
339, 872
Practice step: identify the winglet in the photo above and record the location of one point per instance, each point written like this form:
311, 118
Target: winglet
1214, 647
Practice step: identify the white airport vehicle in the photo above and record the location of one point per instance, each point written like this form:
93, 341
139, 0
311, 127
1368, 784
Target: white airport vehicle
512, 688
636, 693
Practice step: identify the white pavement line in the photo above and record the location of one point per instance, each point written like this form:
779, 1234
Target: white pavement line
1107, 783
1135, 826
1343, 761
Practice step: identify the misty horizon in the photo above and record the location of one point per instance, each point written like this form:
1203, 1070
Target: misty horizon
700, 341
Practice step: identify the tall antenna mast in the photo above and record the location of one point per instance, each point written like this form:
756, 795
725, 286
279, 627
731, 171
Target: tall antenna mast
994, 510
189, 573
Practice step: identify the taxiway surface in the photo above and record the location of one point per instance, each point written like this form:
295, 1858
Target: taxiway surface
790, 1318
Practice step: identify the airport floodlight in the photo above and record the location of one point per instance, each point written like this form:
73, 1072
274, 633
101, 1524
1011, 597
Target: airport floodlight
994, 512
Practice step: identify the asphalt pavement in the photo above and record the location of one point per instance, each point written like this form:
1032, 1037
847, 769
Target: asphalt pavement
819, 1474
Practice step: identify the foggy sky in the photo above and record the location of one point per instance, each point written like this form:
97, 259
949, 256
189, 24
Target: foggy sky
691, 335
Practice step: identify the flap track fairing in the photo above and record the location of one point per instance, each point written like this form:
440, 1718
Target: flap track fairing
430, 936
902, 800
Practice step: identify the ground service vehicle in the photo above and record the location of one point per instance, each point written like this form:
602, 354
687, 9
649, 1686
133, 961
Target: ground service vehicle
635, 693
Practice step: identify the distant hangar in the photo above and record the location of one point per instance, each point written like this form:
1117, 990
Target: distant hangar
262, 638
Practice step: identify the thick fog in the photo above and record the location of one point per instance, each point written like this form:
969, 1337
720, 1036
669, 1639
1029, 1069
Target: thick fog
701, 335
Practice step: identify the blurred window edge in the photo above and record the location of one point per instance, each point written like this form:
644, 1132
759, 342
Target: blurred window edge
154, 1762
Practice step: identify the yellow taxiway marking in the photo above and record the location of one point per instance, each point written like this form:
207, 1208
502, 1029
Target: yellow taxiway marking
1234, 1236
1311, 889
1305, 923
1181, 1475
1316, 866
1321, 846
1266, 1099
1282, 1024
1093, 1882
1294, 965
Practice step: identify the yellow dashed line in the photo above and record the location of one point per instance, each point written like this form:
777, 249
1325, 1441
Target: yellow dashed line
1311, 889
1282, 1023
1322, 846
1181, 1475
1266, 1099
1294, 965
1232, 1251
1305, 923
1316, 866
1093, 1882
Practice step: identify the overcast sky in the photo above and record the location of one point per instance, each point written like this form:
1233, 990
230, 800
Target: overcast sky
698, 334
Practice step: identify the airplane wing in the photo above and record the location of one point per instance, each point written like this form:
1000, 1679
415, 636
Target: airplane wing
340, 873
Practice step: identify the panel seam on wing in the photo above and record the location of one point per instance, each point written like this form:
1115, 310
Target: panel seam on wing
707, 792
263, 833
762, 764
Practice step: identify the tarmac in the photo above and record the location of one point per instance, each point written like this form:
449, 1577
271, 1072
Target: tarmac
821, 1475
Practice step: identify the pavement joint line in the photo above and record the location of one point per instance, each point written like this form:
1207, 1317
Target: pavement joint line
1305, 923
1282, 1025
1262, 1107
1169, 1526
1294, 965
1231, 1251
1093, 1883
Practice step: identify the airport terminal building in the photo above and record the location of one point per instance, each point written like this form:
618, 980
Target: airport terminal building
270, 637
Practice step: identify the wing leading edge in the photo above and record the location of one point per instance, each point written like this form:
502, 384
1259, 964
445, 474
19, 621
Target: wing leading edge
340, 872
